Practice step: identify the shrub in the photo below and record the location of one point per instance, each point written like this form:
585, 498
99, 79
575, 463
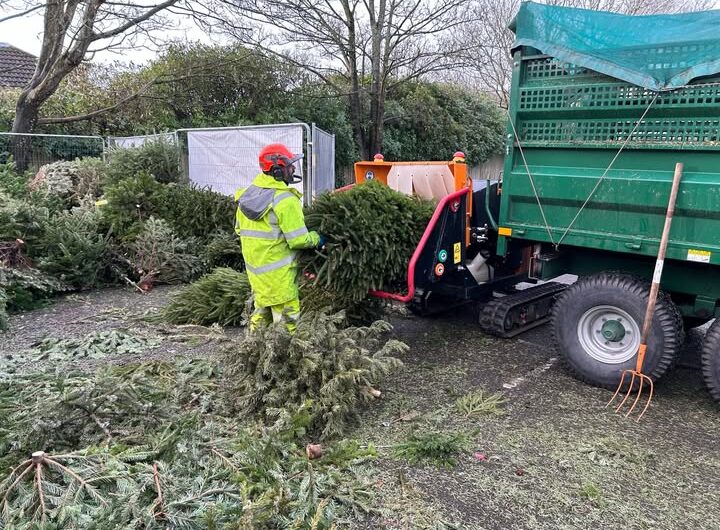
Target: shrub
130, 202
197, 212
217, 298
160, 159
372, 232
158, 255
74, 249
334, 367
75, 182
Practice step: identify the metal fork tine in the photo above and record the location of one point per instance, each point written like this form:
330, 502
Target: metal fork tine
619, 388
629, 391
641, 379
648, 401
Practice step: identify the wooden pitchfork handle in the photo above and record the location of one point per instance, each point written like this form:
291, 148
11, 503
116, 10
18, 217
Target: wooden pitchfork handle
657, 276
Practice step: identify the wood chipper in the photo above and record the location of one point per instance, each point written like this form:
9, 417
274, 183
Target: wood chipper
602, 107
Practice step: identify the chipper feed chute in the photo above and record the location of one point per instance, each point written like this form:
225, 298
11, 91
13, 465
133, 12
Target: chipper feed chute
452, 262
440, 256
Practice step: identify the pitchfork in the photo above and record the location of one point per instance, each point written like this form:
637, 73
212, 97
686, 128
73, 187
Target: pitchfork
637, 374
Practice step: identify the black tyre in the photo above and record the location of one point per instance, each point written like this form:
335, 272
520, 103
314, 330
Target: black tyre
597, 324
695, 322
711, 360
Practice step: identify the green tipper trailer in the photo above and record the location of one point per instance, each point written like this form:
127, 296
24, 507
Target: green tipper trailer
602, 106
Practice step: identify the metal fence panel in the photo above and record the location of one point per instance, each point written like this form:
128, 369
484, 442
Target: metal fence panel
31, 151
323, 161
125, 142
225, 159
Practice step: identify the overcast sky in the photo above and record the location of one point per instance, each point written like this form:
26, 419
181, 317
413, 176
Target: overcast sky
26, 34
23, 33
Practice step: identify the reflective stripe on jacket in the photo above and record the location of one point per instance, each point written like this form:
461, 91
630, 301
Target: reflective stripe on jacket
271, 226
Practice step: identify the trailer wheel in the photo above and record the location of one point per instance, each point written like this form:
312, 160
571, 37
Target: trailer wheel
695, 322
711, 360
597, 325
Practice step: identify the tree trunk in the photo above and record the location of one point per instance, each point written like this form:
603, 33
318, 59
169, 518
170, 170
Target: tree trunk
26, 115
377, 88
377, 132
356, 119
356, 109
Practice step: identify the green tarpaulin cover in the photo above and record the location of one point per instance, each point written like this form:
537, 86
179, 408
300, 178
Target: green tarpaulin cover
659, 52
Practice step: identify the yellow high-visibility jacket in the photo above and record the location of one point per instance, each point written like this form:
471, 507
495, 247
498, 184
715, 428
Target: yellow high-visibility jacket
271, 226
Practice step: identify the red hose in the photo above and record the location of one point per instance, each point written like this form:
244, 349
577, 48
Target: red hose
344, 188
418, 250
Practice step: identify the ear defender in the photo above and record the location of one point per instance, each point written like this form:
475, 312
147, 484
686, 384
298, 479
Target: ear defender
279, 167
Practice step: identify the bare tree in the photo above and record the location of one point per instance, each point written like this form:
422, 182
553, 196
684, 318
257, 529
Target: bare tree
491, 40
360, 48
73, 32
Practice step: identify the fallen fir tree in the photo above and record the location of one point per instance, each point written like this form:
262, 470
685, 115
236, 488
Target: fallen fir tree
216, 298
371, 233
334, 368
198, 476
52, 352
315, 297
221, 298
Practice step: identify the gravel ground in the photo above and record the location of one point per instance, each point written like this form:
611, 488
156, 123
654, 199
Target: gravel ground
556, 457
77, 316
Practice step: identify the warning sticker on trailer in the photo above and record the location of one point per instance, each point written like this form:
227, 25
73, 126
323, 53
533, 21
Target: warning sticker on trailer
701, 256
457, 253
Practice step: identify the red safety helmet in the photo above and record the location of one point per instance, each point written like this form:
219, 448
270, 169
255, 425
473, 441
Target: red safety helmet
276, 155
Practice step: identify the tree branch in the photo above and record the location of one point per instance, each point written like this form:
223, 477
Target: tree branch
133, 21
95, 113
21, 14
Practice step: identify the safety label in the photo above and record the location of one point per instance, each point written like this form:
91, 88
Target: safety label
701, 256
657, 275
457, 249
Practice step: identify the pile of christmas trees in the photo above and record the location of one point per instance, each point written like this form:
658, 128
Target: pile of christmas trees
371, 233
198, 443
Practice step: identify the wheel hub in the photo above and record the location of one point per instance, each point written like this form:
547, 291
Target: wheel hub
608, 334
613, 330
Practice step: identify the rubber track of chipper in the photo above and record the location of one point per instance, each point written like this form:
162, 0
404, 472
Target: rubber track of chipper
494, 313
